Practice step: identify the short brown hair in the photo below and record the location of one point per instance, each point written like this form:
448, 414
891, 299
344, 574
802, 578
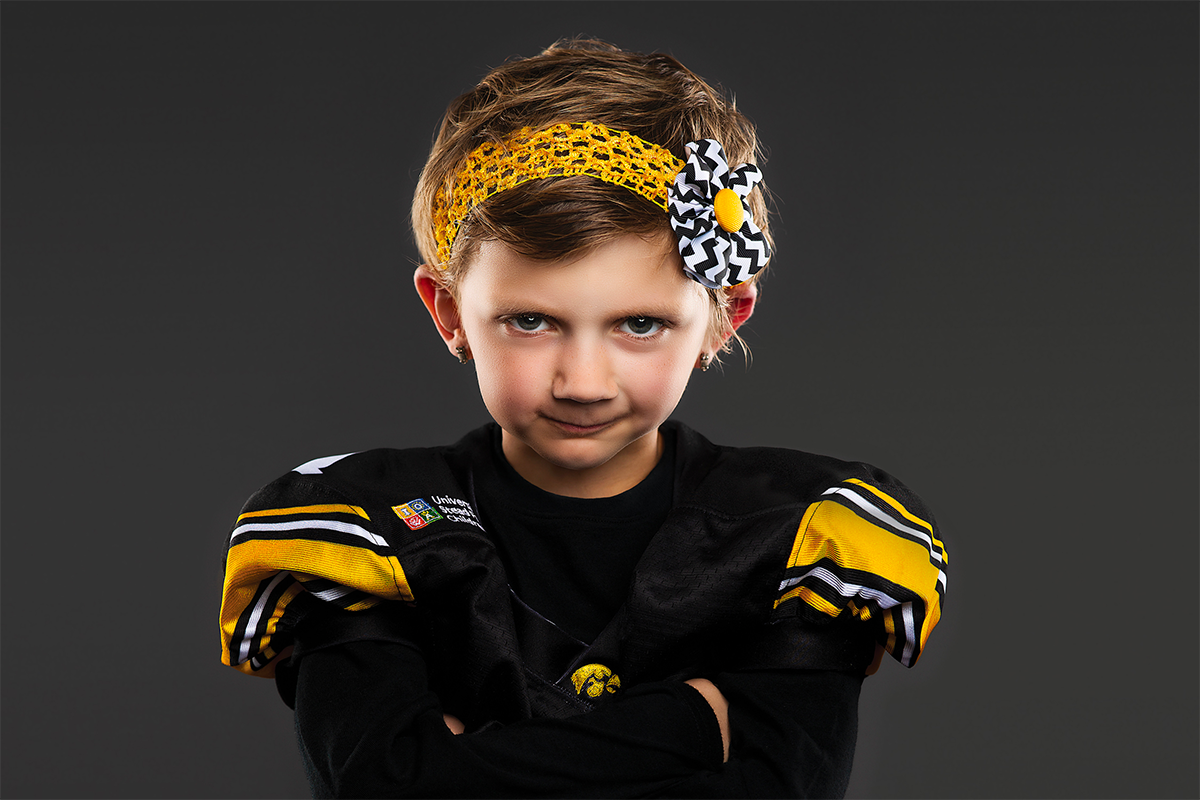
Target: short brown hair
578, 80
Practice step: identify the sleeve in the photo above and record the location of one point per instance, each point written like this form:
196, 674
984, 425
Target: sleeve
290, 542
793, 734
868, 550
866, 573
370, 726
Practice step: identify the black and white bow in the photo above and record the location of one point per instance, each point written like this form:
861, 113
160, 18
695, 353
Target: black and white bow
713, 256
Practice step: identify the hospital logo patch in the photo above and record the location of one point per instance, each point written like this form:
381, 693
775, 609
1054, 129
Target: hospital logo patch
416, 513
594, 680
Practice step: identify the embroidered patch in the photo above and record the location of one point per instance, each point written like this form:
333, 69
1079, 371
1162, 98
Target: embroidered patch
416, 513
594, 680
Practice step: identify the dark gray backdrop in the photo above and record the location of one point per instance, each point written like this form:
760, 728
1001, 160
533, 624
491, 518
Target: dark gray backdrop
986, 282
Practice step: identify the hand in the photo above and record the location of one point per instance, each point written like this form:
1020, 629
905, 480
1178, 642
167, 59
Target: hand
453, 723
720, 707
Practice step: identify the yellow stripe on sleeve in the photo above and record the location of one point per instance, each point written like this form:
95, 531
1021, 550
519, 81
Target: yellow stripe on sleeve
889, 625
830, 530
899, 508
234, 602
797, 546
332, 508
812, 598
357, 567
835, 532
251, 562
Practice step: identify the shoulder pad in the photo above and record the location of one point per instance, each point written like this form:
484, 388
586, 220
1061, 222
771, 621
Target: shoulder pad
328, 531
868, 549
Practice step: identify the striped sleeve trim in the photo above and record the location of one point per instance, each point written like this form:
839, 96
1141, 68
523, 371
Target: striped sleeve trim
335, 593
279, 523
880, 509
275, 555
860, 552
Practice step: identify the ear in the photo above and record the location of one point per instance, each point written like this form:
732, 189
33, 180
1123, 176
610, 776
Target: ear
442, 307
741, 305
742, 299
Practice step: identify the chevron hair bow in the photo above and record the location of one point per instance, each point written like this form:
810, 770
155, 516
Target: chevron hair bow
719, 242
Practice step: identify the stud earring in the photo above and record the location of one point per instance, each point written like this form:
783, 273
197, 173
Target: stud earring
705, 360
462, 354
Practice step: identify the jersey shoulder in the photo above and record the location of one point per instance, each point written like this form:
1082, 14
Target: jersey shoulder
860, 544
744, 480
349, 476
867, 548
331, 530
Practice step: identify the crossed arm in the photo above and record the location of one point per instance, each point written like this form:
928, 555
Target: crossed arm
704, 686
369, 725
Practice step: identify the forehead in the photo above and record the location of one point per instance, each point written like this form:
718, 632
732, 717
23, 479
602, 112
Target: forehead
632, 270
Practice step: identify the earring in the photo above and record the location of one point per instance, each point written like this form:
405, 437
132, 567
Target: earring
705, 360
462, 354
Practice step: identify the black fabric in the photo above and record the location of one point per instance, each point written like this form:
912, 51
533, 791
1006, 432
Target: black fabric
710, 574
369, 726
318, 628
793, 735
694, 600
570, 559
791, 644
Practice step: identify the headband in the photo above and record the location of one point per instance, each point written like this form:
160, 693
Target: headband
706, 201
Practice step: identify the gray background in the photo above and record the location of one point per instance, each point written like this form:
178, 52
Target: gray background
986, 282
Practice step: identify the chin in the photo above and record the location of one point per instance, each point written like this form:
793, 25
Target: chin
576, 455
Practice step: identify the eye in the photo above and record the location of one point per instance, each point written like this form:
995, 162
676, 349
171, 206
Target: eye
529, 323
642, 327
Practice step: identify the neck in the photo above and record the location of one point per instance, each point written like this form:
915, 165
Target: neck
619, 474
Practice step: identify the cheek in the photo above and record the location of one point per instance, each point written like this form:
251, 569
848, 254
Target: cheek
660, 383
502, 390
506, 377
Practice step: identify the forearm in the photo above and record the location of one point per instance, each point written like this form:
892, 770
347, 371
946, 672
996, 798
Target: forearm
793, 734
363, 734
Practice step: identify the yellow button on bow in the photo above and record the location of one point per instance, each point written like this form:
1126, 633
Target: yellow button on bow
728, 208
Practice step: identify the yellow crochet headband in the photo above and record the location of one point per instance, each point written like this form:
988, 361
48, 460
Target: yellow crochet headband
570, 148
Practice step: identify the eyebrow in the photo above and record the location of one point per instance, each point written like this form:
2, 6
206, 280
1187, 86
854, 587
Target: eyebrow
508, 309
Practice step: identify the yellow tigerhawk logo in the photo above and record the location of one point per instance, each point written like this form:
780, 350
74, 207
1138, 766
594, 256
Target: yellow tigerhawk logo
595, 680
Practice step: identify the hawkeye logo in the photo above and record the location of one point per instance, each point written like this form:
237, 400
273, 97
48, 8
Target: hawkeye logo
416, 513
594, 680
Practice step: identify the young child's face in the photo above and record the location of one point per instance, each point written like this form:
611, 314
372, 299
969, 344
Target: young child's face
580, 361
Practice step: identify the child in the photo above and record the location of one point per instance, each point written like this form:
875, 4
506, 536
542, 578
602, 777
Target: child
584, 598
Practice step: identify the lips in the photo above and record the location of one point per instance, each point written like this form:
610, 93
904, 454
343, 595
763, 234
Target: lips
582, 427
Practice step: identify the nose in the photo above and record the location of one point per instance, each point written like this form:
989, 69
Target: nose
584, 373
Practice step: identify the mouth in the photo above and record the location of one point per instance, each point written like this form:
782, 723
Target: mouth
579, 429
